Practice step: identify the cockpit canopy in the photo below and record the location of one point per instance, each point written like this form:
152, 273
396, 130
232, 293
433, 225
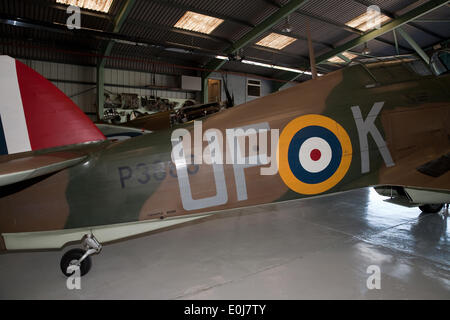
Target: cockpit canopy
440, 62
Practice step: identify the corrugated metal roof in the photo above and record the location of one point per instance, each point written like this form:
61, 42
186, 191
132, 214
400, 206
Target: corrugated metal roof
339, 11
149, 59
37, 10
254, 11
441, 28
320, 32
154, 21
391, 5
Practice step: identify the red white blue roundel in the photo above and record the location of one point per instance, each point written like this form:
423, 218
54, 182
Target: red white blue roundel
314, 154
311, 154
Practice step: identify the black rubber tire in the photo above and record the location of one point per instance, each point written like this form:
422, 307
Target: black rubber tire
431, 208
75, 254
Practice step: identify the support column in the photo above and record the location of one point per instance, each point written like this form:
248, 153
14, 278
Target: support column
205, 89
100, 90
312, 58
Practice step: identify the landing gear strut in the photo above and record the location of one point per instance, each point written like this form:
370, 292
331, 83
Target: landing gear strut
81, 257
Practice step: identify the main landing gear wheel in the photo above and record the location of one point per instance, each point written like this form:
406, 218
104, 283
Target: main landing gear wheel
72, 257
80, 257
431, 208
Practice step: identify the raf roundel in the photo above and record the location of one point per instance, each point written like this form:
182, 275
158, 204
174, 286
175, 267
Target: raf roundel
314, 154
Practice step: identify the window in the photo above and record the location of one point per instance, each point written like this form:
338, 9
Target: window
254, 88
440, 62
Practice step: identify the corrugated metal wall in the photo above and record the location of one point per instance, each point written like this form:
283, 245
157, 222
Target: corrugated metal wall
79, 83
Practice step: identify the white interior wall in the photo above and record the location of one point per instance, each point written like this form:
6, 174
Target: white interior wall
237, 86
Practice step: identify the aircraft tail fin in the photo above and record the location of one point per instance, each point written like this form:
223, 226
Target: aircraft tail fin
35, 114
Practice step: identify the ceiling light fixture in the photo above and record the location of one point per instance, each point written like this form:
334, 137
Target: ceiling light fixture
366, 51
287, 27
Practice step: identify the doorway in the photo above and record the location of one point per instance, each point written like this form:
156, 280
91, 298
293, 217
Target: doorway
214, 90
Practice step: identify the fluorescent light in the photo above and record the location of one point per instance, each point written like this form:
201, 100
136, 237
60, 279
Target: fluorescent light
255, 63
271, 66
369, 20
291, 69
346, 54
222, 58
96, 5
276, 41
197, 22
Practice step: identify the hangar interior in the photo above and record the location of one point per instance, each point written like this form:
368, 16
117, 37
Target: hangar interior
122, 59
253, 49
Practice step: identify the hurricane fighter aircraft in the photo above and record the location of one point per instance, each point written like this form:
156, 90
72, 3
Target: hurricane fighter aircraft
382, 125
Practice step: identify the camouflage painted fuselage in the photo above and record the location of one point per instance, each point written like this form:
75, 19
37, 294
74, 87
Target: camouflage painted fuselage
136, 180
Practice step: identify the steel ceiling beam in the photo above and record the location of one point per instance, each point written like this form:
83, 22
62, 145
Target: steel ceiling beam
299, 37
267, 24
396, 41
149, 25
315, 17
343, 27
118, 23
414, 45
119, 38
332, 23
433, 20
172, 4
390, 26
394, 16
82, 33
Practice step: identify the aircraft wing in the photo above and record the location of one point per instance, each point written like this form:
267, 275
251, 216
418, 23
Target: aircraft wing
114, 132
41, 130
25, 166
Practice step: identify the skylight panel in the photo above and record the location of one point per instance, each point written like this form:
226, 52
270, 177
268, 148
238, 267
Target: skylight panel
368, 20
197, 22
276, 41
96, 5
346, 54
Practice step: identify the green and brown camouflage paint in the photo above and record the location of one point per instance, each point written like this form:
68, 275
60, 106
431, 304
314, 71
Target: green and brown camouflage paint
414, 122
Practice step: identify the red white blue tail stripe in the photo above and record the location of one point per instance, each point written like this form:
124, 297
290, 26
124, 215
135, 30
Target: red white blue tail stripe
35, 114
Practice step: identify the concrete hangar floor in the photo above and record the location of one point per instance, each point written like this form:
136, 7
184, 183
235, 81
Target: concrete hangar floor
311, 249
